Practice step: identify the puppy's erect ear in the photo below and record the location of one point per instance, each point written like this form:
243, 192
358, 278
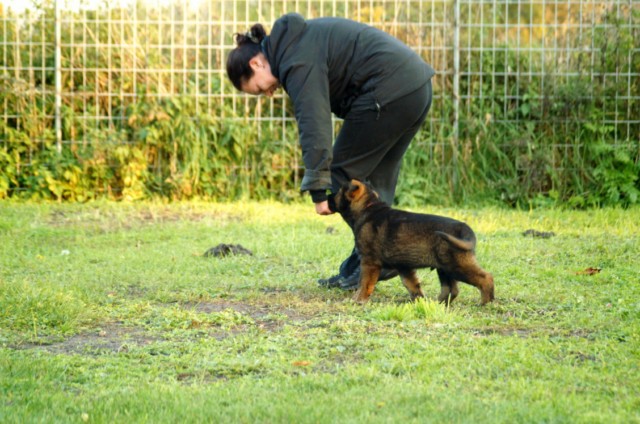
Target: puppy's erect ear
356, 190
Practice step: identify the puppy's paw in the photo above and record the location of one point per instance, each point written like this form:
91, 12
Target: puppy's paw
360, 297
416, 296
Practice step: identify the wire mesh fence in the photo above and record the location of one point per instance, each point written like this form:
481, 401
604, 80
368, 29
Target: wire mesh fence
93, 76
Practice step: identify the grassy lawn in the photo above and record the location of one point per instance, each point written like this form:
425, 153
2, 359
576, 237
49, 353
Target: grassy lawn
110, 313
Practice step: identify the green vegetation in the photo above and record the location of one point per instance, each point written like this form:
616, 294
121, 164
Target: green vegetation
110, 313
548, 106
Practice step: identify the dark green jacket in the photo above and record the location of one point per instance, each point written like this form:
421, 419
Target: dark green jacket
336, 65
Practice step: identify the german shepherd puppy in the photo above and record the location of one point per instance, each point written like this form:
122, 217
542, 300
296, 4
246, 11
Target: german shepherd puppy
391, 238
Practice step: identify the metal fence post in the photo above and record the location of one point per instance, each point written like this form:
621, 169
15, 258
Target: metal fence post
58, 78
456, 97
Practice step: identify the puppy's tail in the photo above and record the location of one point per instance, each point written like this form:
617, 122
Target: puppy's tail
459, 243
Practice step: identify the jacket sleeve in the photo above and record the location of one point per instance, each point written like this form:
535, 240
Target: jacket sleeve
308, 87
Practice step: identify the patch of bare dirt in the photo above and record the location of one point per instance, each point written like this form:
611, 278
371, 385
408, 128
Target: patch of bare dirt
112, 338
266, 316
529, 332
513, 332
106, 219
116, 337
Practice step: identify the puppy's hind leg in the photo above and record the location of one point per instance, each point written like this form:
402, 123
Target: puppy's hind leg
482, 280
486, 287
448, 288
411, 282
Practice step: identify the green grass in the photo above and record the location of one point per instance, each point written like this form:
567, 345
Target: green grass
110, 313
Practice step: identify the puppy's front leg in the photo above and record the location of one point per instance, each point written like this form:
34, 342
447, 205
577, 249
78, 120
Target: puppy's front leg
368, 278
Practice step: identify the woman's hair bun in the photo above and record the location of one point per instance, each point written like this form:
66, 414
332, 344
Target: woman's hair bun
255, 35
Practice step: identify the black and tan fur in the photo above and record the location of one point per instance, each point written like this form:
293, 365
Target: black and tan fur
406, 241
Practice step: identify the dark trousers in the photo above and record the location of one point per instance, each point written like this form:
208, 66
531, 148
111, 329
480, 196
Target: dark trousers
371, 145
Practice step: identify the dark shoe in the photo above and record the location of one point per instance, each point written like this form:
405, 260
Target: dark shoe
331, 281
352, 282
348, 267
351, 264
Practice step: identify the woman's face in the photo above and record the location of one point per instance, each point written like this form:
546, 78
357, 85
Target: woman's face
262, 81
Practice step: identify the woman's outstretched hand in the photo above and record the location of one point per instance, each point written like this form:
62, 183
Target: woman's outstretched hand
322, 208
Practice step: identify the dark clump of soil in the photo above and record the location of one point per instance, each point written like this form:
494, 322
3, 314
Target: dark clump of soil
538, 234
222, 250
